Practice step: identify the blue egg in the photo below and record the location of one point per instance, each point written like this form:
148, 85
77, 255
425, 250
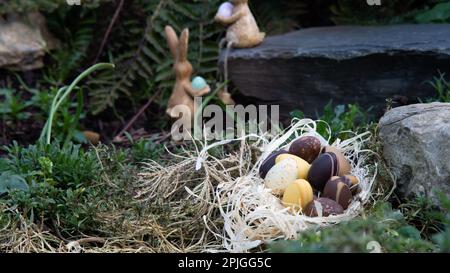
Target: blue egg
198, 83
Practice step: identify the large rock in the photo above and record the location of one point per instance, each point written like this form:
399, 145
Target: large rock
305, 69
23, 41
416, 146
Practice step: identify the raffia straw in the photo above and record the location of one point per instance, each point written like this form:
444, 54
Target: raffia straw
252, 215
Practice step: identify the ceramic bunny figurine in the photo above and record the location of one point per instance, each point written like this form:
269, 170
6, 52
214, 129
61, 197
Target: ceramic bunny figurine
183, 92
243, 32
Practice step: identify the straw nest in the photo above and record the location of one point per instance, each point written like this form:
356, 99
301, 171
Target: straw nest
230, 198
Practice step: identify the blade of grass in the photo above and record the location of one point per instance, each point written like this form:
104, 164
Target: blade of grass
67, 90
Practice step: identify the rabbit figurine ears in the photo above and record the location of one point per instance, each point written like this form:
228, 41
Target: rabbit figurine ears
183, 92
178, 46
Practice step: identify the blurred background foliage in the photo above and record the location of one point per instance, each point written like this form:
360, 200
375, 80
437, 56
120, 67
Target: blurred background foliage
134, 40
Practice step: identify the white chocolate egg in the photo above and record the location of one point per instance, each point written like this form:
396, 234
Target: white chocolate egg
281, 175
225, 10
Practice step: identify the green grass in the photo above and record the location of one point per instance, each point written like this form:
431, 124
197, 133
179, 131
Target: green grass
146, 149
65, 187
339, 120
440, 13
12, 107
383, 225
60, 184
442, 87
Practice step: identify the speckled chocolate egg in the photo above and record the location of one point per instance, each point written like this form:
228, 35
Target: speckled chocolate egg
307, 147
302, 166
322, 169
344, 167
269, 162
337, 189
325, 205
281, 176
298, 195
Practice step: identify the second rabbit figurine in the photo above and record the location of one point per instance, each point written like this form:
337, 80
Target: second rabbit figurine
243, 31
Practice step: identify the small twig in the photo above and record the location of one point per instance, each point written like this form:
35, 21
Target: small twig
90, 240
4, 129
133, 119
58, 232
108, 31
105, 174
163, 138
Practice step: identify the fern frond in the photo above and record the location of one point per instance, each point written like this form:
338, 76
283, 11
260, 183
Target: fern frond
148, 61
73, 51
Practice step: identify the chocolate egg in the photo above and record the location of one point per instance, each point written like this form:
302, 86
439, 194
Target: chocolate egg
269, 162
338, 190
326, 206
302, 165
344, 164
353, 179
353, 182
322, 169
298, 195
307, 147
281, 175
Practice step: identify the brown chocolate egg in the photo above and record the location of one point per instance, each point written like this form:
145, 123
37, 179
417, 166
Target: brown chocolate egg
353, 182
344, 167
353, 179
326, 206
307, 147
337, 189
269, 162
322, 169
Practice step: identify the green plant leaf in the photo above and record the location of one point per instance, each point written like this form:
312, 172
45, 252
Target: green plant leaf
438, 14
9, 181
409, 232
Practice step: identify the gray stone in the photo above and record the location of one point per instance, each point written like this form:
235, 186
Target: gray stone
416, 146
348, 64
24, 41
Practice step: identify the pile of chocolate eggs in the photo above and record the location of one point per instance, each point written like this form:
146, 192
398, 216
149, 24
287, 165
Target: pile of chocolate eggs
310, 178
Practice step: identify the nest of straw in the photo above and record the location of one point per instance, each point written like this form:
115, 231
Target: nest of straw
231, 199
